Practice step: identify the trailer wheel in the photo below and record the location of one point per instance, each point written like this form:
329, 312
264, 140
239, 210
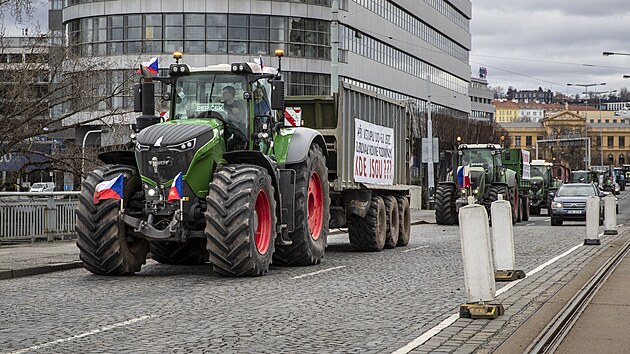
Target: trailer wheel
404, 225
369, 233
445, 213
525, 208
241, 220
191, 252
518, 202
312, 212
106, 245
494, 196
393, 221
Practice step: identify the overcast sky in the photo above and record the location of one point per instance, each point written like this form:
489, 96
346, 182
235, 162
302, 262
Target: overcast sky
548, 43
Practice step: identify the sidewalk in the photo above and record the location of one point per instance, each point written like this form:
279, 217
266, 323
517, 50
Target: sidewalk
45, 257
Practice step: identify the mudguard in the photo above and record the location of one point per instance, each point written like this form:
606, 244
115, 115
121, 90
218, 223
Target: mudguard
301, 143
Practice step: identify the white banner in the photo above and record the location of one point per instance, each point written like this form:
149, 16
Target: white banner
526, 164
373, 153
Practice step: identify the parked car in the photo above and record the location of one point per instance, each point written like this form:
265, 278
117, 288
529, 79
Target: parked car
569, 203
42, 187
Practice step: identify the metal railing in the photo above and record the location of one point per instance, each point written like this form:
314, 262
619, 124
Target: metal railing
29, 216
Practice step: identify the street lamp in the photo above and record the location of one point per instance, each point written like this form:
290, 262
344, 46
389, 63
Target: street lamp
586, 86
83, 149
607, 54
601, 127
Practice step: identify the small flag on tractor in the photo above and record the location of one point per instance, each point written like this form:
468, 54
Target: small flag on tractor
112, 189
463, 176
176, 192
151, 65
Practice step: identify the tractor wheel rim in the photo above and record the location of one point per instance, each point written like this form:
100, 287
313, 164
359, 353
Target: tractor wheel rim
315, 205
262, 236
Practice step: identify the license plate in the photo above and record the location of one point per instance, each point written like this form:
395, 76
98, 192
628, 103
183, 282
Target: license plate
575, 211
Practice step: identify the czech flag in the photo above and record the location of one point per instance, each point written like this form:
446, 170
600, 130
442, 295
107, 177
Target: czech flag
260, 62
463, 176
176, 191
151, 65
112, 189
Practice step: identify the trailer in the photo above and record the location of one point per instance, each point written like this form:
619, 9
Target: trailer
519, 160
369, 152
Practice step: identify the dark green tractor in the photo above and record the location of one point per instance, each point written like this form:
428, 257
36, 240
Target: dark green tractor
540, 184
254, 190
488, 179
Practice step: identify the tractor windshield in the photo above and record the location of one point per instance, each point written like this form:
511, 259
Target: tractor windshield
478, 158
205, 95
540, 171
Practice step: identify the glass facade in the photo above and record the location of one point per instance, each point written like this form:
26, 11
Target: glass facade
197, 33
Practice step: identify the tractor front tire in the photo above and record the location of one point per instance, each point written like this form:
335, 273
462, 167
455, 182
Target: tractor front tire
106, 245
241, 220
191, 252
312, 213
393, 221
494, 196
445, 212
404, 225
368, 234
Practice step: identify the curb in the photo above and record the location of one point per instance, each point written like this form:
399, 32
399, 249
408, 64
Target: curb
26, 272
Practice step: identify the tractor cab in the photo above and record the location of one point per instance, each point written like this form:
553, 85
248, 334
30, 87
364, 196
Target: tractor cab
484, 161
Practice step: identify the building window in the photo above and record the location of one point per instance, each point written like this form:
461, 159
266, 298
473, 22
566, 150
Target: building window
517, 141
622, 141
598, 141
528, 141
611, 141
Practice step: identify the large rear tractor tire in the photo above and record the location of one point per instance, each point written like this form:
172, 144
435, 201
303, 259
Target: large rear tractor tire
445, 212
404, 226
191, 252
393, 221
312, 213
106, 245
241, 220
368, 234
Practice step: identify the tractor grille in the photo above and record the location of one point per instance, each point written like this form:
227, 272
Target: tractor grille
170, 163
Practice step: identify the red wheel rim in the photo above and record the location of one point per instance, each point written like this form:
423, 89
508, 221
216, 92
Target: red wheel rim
315, 206
263, 222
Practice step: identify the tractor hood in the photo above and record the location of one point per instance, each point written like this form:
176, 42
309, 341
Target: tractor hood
173, 145
169, 135
536, 183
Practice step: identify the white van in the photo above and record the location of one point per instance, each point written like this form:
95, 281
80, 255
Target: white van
42, 187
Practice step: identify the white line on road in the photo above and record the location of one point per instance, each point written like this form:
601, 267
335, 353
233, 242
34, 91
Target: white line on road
414, 249
451, 319
85, 334
318, 272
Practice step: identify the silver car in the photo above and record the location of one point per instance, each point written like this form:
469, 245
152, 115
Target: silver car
569, 203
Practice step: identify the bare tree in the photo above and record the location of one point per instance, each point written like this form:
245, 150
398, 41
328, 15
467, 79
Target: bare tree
499, 91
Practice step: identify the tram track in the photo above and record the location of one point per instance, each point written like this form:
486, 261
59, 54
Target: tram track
557, 329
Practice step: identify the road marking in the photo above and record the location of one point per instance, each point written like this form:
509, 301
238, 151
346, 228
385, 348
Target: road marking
414, 249
451, 319
318, 272
85, 334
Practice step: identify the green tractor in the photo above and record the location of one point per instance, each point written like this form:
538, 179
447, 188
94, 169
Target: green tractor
542, 182
487, 176
253, 190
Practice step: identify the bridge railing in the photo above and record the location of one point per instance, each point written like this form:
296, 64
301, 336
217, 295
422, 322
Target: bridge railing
29, 216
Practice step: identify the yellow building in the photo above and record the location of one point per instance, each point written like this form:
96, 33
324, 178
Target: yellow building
505, 111
568, 130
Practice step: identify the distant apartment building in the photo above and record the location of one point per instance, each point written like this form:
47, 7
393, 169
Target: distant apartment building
539, 95
481, 107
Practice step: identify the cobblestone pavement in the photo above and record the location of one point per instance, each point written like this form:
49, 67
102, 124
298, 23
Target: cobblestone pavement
351, 303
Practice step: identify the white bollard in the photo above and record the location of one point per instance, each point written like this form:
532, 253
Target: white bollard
503, 242
610, 215
477, 260
475, 241
592, 220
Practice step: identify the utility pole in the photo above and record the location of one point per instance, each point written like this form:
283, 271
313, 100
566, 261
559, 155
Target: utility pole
430, 172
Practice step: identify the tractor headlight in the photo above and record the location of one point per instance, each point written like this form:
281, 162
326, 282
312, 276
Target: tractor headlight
557, 205
181, 147
151, 192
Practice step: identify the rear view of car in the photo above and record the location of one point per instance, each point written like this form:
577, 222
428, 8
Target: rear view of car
569, 203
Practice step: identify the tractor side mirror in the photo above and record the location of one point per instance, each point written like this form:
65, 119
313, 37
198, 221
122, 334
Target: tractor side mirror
277, 95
